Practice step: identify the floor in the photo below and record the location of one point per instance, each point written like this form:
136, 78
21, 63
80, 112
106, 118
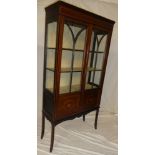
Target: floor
75, 137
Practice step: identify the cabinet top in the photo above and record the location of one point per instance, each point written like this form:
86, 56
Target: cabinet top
60, 7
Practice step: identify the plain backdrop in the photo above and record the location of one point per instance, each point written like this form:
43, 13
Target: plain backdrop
109, 95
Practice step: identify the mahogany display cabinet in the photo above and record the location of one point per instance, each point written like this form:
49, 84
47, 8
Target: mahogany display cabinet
76, 50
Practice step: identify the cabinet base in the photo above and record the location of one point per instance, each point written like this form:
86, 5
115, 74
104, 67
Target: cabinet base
54, 123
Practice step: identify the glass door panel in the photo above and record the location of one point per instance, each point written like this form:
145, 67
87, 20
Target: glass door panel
50, 49
76, 80
67, 38
65, 83
96, 77
50, 61
49, 84
102, 44
100, 58
80, 42
96, 59
78, 60
72, 56
51, 35
66, 60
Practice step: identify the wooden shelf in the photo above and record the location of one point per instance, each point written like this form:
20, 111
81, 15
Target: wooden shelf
93, 69
75, 50
50, 69
67, 49
89, 86
51, 48
75, 69
96, 52
65, 89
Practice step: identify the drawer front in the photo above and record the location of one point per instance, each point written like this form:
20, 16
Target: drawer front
68, 105
90, 99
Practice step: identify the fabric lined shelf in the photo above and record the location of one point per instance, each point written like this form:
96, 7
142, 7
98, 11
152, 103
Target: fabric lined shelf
75, 50
96, 52
66, 49
74, 88
75, 69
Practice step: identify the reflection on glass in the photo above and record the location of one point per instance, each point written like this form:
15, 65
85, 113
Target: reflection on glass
49, 80
96, 59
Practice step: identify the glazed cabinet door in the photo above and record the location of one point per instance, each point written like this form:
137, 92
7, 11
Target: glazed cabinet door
72, 57
96, 59
95, 68
71, 69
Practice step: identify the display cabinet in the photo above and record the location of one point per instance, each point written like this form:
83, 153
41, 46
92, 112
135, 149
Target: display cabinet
76, 51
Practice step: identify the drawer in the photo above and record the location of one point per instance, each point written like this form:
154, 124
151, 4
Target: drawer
68, 105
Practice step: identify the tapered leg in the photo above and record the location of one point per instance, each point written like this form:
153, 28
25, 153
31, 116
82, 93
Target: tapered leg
84, 118
96, 118
43, 126
52, 137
